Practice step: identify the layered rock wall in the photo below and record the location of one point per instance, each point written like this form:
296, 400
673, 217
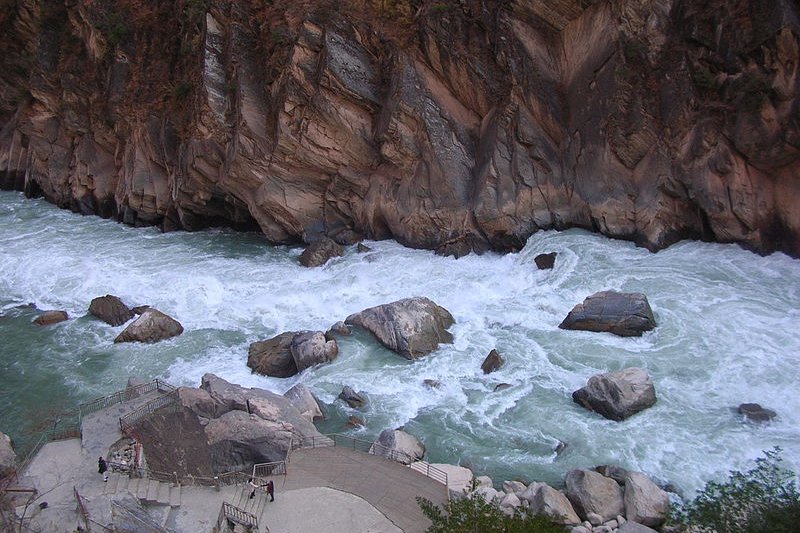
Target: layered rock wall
455, 126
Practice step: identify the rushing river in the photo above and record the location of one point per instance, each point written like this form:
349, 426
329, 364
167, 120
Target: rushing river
727, 333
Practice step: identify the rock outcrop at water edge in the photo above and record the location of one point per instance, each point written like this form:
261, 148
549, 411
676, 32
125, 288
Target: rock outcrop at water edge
48, 318
591, 492
352, 398
110, 309
645, 502
8, 459
320, 252
399, 446
623, 314
411, 327
554, 503
617, 395
151, 326
300, 396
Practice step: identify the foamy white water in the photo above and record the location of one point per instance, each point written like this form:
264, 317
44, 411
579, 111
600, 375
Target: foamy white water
727, 333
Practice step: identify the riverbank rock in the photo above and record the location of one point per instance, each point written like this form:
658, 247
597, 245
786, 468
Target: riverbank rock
319, 252
111, 310
273, 357
623, 314
459, 478
300, 397
411, 327
545, 261
310, 348
339, 329
48, 318
492, 362
354, 422
200, 402
399, 446
352, 398
591, 492
617, 395
553, 503
634, 527
645, 503
753, 412
238, 440
151, 326
8, 458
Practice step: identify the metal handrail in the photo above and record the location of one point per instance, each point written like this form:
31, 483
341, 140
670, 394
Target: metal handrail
122, 396
130, 420
240, 516
144, 526
82, 509
274, 468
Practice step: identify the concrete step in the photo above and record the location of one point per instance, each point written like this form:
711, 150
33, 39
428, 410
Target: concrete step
163, 493
175, 496
111, 485
152, 491
141, 490
122, 484
133, 485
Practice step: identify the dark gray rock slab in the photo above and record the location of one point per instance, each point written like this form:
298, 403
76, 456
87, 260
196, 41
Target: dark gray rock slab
623, 314
617, 395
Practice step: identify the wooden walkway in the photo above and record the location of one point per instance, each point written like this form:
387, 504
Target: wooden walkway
389, 486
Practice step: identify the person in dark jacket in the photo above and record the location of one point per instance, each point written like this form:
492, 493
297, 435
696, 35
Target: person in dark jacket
102, 468
271, 490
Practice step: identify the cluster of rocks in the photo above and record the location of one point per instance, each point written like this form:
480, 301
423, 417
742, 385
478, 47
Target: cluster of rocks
151, 326
605, 500
291, 352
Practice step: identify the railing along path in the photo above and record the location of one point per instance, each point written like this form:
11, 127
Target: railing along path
123, 395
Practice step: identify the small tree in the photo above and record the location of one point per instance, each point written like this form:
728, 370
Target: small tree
762, 500
474, 515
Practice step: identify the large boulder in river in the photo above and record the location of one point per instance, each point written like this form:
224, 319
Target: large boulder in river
623, 314
645, 502
617, 395
753, 412
492, 362
8, 459
397, 445
319, 252
304, 401
48, 318
591, 492
310, 348
110, 310
151, 326
273, 357
352, 398
545, 261
411, 327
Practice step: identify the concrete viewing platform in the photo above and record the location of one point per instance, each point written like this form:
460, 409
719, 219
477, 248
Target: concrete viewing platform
325, 490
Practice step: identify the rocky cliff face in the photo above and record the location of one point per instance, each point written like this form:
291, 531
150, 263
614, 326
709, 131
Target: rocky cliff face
455, 125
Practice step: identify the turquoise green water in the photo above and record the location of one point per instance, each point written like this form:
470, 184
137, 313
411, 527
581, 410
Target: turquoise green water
727, 334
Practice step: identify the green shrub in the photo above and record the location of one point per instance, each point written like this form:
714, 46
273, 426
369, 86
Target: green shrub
762, 500
474, 515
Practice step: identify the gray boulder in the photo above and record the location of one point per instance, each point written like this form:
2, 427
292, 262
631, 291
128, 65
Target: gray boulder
753, 412
553, 503
340, 329
238, 440
517, 487
110, 310
489, 494
545, 261
623, 314
591, 492
304, 401
8, 459
645, 502
201, 403
352, 398
634, 527
273, 357
151, 326
399, 446
319, 252
492, 362
310, 348
48, 318
459, 478
411, 327
617, 395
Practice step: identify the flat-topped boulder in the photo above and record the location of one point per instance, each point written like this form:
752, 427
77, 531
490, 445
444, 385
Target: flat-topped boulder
591, 492
623, 314
617, 395
8, 459
411, 327
397, 445
111, 310
300, 397
320, 251
48, 318
151, 326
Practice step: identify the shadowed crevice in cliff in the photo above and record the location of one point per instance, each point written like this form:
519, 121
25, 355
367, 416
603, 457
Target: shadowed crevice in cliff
454, 126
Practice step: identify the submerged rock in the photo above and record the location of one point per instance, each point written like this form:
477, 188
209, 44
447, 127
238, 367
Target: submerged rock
492, 362
399, 446
111, 310
411, 327
319, 252
545, 261
617, 395
48, 318
352, 398
623, 314
753, 412
151, 326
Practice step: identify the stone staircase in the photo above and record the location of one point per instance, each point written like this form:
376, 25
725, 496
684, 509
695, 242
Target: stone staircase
149, 491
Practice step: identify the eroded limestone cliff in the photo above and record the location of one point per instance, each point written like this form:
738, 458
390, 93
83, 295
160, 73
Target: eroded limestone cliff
454, 125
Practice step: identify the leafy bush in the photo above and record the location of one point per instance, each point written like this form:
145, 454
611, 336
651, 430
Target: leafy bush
762, 500
474, 515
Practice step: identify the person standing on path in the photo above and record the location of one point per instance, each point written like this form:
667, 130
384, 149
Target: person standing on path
271, 490
102, 468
